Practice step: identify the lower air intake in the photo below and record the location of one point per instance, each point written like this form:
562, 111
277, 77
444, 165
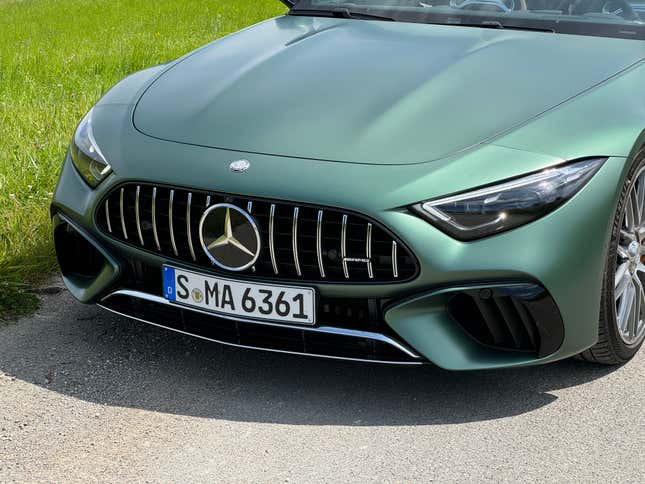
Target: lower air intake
520, 318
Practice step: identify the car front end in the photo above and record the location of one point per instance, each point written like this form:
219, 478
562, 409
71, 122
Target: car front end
417, 225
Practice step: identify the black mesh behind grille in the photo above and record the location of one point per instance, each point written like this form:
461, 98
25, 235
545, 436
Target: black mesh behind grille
122, 217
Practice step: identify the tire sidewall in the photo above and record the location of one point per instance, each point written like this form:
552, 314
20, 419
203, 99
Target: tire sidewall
608, 316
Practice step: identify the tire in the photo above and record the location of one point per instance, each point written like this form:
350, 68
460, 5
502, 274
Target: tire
614, 347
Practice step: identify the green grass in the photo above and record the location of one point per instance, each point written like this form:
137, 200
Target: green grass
56, 59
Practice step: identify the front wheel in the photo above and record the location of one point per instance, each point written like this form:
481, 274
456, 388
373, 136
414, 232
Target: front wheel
621, 328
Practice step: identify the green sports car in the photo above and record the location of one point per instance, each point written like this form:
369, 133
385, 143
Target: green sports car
457, 182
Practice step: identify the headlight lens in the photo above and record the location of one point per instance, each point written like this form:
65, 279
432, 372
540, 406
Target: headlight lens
501, 207
86, 155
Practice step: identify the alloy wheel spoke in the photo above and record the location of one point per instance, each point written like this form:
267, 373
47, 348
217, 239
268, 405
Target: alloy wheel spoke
622, 252
630, 330
625, 307
639, 304
629, 212
625, 234
633, 316
639, 189
640, 233
635, 209
622, 280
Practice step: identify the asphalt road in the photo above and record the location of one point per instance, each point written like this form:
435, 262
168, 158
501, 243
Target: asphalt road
85, 395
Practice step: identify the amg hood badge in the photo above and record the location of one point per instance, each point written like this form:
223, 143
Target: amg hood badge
230, 237
239, 166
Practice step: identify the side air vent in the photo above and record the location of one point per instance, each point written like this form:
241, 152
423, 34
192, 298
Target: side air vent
522, 318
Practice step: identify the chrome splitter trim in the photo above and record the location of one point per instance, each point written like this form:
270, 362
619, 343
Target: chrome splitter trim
320, 329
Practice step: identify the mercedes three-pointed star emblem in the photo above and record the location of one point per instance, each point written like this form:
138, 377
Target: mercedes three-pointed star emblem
230, 237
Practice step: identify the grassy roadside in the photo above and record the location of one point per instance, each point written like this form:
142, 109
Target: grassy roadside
56, 58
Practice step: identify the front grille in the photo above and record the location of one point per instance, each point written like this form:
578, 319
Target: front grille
521, 317
298, 242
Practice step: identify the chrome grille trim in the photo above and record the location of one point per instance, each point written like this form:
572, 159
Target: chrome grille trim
416, 359
249, 208
271, 237
395, 263
343, 246
188, 234
107, 215
137, 216
368, 250
294, 241
170, 223
125, 231
299, 242
319, 253
154, 218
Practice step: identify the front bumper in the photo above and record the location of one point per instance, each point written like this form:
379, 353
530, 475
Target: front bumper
562, 253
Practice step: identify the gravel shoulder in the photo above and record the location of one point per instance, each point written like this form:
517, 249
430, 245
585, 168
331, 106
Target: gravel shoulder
88, 396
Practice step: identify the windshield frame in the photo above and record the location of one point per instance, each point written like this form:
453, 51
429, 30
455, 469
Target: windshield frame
484, 19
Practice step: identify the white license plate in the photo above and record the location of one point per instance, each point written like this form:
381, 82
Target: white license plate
267, 302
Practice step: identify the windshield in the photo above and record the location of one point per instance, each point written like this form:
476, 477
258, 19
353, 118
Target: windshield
609, 18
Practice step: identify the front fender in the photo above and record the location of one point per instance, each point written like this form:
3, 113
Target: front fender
608, 120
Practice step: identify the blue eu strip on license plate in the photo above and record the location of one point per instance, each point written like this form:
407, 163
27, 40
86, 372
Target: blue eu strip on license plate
169, 282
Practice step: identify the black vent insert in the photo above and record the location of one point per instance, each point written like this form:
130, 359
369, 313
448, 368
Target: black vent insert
520, 317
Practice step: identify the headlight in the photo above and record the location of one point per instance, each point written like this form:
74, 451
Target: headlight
86, 155
501, 207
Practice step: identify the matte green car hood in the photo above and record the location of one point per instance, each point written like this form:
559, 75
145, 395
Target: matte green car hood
371, 91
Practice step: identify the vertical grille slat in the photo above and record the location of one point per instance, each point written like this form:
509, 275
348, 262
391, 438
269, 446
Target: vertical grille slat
298, 242
368, 251
189, 202
107, 215
394, 256
319, 252
294, 241
343, 247
170, 222
154, 218
272, 238
121, 210
137, 215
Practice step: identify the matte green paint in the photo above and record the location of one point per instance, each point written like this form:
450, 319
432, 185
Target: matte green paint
424, 321
82, 289
371, 92
565, 251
